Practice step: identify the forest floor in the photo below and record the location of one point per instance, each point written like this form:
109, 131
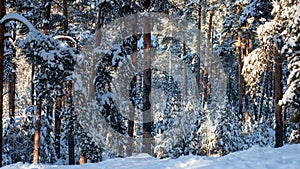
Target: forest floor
287, 157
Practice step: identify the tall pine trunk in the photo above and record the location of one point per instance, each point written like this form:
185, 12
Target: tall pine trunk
59, 99
92, 87
185, 70
57, 112
32, 86
240, 80
278, 96
69, 105
198, 69
12, 93
65, 13
46, 26
132, 109
37, 134
2, 32
206, 63
147, 110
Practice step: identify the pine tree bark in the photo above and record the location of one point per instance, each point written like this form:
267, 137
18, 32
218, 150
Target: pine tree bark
245, 52
65, 13
71, 143
57, 121
32, 85
206, 63
198, 73
12, 93
147, 79
92, 87
278, 96
132, 109
2, 32
47, 17
37, 134
240, 80
185, 70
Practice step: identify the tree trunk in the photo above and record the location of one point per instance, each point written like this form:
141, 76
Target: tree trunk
12, 93
206, 63
92, 87
185, 71
278, 96
147, 110
32, 86
58, 108
2, 32
198, 69
71, 144
240, 80
65, 13
229, 87
132, 109
37, 134
245, 53
47, 17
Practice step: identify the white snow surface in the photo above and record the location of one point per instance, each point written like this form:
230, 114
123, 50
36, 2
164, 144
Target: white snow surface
254, 158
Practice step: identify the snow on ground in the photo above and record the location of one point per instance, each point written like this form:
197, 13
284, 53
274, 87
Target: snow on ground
287, 157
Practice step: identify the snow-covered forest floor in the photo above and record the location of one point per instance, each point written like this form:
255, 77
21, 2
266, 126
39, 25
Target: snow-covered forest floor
286, 157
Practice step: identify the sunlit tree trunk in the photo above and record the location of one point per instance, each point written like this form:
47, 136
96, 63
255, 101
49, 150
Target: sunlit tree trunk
206, 63
59, 99
2, 32
37, 134
240, 80
92, 87
245, 52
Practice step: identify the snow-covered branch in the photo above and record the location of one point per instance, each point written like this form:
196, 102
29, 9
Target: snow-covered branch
20, 18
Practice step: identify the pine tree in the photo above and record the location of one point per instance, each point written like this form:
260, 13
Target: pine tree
292, 94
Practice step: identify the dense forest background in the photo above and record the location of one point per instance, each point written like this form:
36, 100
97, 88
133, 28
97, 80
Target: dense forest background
254, 100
